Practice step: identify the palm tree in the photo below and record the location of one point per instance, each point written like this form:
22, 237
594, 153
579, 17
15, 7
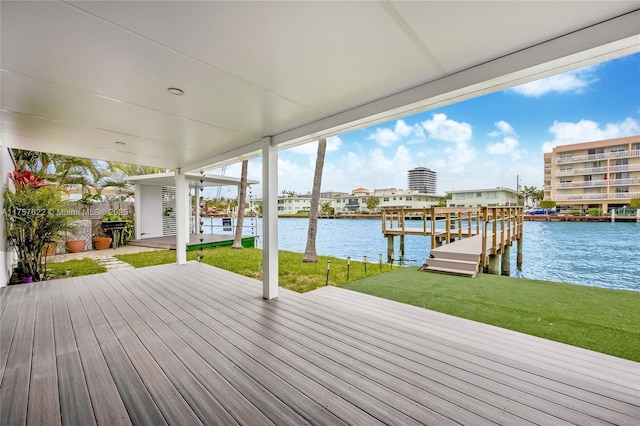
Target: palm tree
242, 198
310, 254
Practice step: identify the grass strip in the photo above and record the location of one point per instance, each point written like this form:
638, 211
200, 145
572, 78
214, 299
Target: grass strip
76, 268
594, 318
292, 272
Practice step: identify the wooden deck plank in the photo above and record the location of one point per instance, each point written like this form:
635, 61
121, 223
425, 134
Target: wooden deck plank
325, 332
167, 398
75, 402
597, 402
204, 405
44, 405
296, 402
230, 398
108, 406
398, 393
205, 340
525, 396
140, 405
509, 341
14, 390
272, 407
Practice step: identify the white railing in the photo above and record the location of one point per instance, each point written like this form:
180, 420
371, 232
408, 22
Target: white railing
595, 157
598, 170
597, 197
588, 184
599, 183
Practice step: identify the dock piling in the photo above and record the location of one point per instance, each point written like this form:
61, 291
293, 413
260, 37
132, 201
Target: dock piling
506, 261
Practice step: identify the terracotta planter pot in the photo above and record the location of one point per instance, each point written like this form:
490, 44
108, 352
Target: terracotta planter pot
50, 248
101, 243
75, 246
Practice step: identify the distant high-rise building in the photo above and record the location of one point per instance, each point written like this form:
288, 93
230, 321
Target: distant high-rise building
422, 179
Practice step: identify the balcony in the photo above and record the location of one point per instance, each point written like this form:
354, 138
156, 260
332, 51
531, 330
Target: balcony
598, 197
624, 182
588, 184
598, 170
595, 157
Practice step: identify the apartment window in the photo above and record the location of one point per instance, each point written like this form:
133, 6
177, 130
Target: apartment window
619, 148
636, 146
364, 200
394, 198
622, 162
492, 194
565, 180
566, 168
478, 194
409, 198
588, 178
624, 175
385, 199
596, 164
353, 201
565, 155
621, 189
595, 151
280, 201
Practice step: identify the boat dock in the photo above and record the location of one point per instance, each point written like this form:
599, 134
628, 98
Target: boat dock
464, 240
208, 241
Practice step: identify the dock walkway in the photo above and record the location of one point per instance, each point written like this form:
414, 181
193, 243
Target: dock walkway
463, 240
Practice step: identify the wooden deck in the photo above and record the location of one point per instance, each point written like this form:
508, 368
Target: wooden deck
192, 344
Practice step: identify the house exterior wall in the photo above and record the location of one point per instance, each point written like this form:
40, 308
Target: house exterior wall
149, 214
400, 199
598, 174
483, 197
7, 257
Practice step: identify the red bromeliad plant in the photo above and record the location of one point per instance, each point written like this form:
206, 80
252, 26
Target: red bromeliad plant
25, 178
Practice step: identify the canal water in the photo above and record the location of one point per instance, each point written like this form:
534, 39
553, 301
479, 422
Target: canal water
595, 254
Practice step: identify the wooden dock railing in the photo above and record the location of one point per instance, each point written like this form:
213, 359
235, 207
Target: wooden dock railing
498, 227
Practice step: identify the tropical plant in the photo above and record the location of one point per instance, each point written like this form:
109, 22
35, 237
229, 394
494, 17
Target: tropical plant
373, 202
635, 202
310, 254
547, 204
242, 197
34, 217
327, 208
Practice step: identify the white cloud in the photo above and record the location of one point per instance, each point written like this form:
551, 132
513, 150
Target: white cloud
572, 82
565, 133
387, 136
508, 145
504, 128
442, 128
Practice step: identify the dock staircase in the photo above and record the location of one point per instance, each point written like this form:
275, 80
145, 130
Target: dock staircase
459, 258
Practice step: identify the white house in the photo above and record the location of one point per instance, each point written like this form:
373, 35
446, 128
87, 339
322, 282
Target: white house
389, 198
483, 197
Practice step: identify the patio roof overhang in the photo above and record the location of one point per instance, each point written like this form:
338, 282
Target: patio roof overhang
80, 77
192, 179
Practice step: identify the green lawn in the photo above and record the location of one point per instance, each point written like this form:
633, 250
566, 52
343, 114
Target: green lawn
594, 318
75, 267
293, 273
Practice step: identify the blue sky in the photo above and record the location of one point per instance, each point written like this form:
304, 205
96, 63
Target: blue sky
480, 143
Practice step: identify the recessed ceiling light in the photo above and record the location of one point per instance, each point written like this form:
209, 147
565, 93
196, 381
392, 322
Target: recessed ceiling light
175, 91
119, 143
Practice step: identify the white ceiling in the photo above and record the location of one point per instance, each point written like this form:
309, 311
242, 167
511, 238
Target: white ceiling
79, 76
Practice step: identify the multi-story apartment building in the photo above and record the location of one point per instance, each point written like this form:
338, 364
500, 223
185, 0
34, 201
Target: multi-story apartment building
483, 197
602, 174
389, 198
422, 179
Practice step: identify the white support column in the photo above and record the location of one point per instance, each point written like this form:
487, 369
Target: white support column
269, 220
182, 217
137, 195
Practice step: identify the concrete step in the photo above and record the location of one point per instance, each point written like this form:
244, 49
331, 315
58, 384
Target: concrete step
451, 271
444, 254
463, 265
